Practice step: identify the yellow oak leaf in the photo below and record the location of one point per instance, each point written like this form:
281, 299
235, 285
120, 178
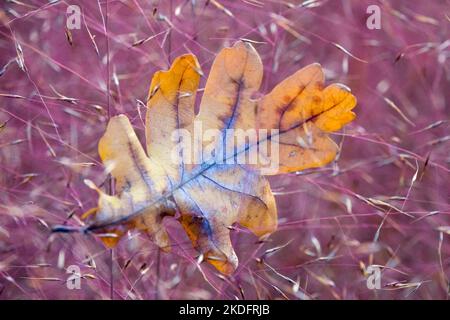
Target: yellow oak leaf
197, 172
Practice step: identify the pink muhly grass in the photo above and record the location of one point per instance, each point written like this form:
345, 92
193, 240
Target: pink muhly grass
385, 201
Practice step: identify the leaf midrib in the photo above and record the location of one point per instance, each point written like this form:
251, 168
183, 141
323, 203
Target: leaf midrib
169, 194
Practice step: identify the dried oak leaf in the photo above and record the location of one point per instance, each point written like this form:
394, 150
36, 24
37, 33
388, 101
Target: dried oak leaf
208, 197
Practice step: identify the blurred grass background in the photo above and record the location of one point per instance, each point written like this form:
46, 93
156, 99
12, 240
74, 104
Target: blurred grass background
384, 202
